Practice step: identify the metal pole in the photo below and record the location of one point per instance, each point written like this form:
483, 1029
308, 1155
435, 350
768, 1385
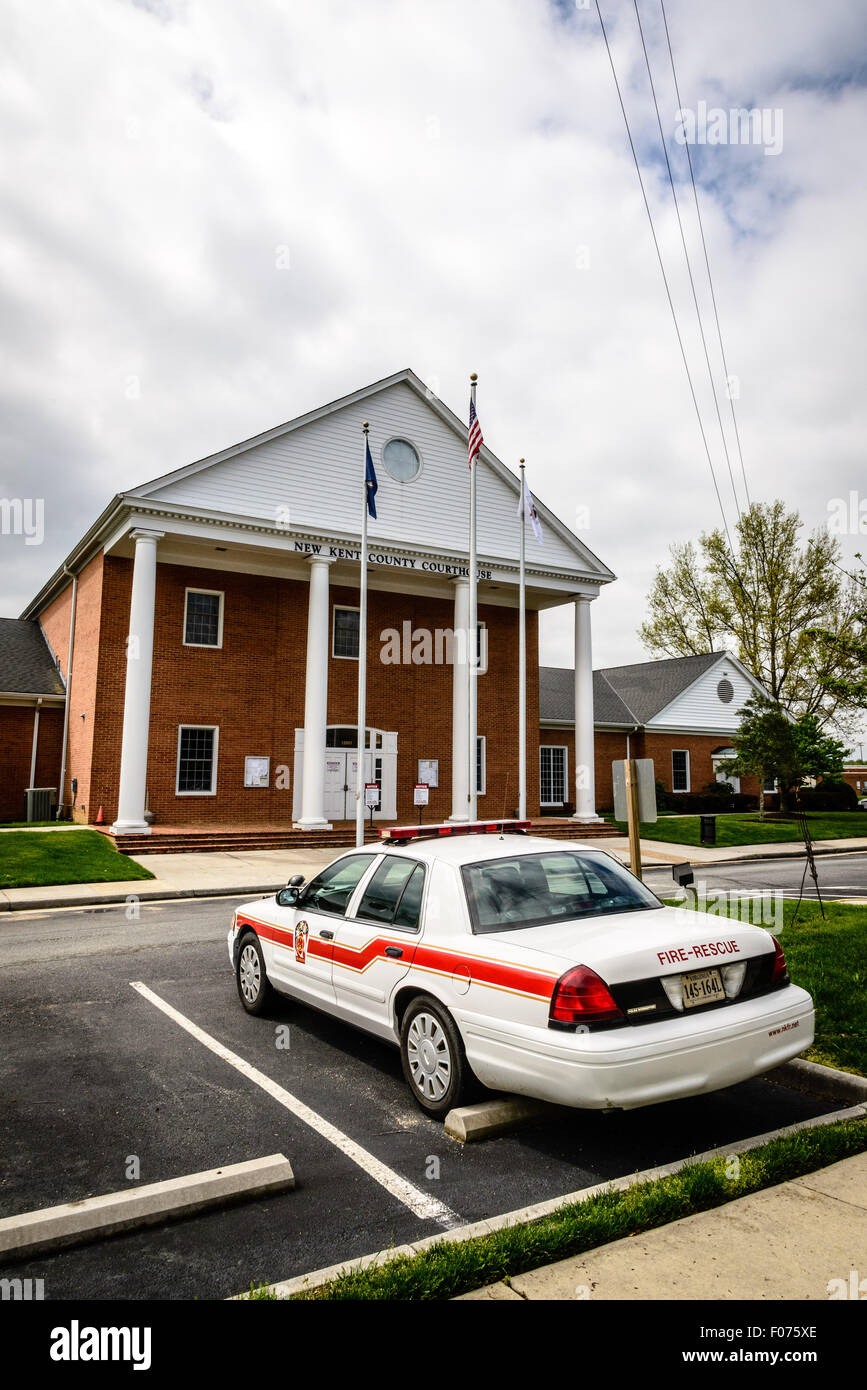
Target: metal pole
69, 656
522, 665
632, 816
473, 640
362, 657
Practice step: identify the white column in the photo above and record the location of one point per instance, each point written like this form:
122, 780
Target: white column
315, 701
585, 772
137, 696
460, 703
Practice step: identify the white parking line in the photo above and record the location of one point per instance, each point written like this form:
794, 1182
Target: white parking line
423, 1206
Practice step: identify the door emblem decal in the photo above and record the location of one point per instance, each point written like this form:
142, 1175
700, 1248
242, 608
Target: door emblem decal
301, 933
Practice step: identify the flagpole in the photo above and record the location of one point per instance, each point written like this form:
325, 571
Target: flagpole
522, 661
362, 654
473, 640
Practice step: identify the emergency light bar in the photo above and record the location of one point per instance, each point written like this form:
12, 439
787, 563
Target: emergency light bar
395, 834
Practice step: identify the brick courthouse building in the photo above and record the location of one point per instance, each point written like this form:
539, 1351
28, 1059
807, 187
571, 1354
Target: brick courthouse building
206, 629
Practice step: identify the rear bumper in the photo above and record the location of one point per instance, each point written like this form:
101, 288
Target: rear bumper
625, 1068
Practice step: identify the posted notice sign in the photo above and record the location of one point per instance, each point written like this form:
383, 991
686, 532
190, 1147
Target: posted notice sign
421, 794
371, 795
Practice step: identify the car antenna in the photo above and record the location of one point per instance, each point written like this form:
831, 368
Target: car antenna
505, 801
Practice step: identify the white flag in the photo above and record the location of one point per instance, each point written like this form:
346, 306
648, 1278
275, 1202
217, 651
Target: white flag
527, 508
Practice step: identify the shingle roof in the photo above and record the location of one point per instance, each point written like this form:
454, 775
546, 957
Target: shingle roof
557, 698
26, 665
627, 695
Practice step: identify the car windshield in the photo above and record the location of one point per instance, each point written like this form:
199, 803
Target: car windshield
531, 890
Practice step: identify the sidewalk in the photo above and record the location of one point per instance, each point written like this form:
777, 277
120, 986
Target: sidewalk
788, 1242
201, 875
218, 873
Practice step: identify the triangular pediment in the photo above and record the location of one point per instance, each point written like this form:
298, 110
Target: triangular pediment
306, 476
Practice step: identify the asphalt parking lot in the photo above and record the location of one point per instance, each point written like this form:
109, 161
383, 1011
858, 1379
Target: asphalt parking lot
93, 1074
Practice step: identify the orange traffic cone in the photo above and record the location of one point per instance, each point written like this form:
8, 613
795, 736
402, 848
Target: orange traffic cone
99, 817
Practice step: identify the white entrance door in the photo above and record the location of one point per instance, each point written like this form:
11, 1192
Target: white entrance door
336, 785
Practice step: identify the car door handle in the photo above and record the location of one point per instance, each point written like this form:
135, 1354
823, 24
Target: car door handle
326, 934
393, 951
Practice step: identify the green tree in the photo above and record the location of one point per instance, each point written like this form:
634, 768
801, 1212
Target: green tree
770, 744
765, 602
847, 681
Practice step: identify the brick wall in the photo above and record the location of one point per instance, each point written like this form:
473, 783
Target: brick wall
16, 748
83, 688
253, 689
612, 746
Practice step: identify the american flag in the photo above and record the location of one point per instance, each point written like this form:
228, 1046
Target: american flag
475, 439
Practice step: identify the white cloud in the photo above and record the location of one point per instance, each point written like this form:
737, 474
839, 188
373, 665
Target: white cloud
432, 174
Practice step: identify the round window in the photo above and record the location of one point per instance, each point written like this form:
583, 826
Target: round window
726, 691
401, 460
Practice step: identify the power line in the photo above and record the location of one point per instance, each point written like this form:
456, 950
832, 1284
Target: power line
707, 261
686, 256
664, 276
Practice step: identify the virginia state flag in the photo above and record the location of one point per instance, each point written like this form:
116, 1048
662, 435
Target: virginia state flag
372, 484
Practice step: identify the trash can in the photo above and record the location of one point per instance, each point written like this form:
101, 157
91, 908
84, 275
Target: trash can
707, 830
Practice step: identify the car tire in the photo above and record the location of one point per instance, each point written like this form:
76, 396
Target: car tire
432, 1055
254, 987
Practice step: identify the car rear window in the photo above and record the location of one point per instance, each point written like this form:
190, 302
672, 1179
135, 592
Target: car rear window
532, 890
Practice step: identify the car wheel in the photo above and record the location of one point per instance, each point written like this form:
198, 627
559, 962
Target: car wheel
254, 989
432, 1055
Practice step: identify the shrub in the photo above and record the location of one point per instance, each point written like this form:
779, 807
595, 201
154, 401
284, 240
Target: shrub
829, 796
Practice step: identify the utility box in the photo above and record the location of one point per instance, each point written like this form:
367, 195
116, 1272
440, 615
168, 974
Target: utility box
646, 790
40, 803
707, 830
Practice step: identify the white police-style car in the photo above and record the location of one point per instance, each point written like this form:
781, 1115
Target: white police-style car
536, 966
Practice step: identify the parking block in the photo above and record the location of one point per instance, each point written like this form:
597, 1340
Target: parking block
95, 1217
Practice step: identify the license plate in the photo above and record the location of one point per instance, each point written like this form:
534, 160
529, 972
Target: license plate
702, 987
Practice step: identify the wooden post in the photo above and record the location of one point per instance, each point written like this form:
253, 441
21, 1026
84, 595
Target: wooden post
632, 814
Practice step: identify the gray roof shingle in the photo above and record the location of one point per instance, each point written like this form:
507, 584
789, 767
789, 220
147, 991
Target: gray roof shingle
622, 695
26, 665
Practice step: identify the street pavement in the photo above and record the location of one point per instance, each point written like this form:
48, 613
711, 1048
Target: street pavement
99, 1088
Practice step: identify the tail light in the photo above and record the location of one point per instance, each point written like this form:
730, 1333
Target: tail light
580, 996
780, 974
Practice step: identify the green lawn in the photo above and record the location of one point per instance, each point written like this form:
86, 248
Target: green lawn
830, 960
449, 1268
745, 828
38, 824
29, 859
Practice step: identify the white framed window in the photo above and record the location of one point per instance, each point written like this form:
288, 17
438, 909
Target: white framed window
481, 768
680, 770
196, 773
553, 774
344, 632
203, 618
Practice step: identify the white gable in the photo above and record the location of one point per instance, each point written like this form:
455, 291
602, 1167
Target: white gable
310, 473
700, 707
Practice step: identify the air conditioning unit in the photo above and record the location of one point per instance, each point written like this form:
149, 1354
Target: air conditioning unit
40, 802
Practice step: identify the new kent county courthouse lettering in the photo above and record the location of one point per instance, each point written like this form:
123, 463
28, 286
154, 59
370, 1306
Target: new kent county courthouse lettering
205, 631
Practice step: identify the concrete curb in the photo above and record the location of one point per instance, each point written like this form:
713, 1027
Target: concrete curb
303, 1283
46, 904
492, 1117
817, 1080
95, 1217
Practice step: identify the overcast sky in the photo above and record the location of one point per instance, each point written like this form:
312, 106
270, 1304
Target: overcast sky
217, 216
